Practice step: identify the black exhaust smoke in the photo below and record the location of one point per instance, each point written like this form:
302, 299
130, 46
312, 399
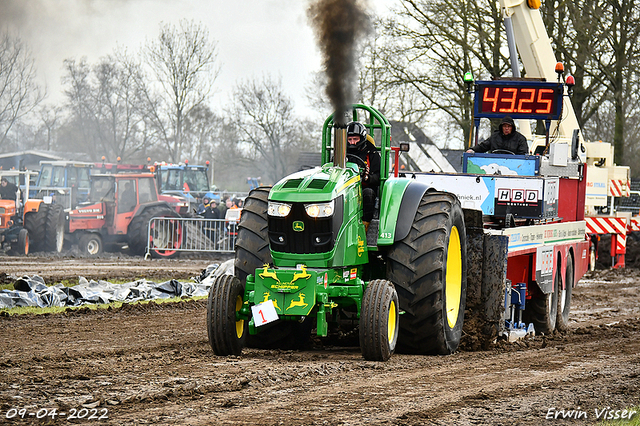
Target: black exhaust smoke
339, 25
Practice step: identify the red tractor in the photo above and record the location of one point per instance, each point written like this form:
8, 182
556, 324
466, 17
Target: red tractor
119, 211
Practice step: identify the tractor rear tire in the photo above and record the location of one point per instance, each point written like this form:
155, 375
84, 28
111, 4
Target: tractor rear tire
90, 244
542, 311
138, 234
36, 226
252, 252
252, 245
564, 297
429, 270
379, 319
54, 229
226, 333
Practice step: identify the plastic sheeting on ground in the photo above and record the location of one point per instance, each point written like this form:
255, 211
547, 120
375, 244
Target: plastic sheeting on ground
32, 291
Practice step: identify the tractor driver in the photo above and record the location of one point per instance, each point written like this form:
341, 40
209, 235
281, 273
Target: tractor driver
358, 146
505, 138
8, 190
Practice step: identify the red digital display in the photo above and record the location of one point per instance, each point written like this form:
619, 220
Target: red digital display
516, 100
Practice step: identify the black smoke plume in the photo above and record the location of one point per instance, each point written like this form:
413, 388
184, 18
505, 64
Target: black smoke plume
339, 26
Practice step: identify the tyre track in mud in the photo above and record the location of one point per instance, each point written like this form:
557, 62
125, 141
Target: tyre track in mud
151, 364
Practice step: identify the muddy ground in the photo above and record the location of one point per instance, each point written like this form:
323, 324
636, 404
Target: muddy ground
151, 364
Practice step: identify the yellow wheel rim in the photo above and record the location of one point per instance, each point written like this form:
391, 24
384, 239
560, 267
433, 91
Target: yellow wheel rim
391, 327
239, 323
453, 279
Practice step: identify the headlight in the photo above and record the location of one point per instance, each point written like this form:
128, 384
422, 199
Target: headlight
278, 209
1, 210
319, 210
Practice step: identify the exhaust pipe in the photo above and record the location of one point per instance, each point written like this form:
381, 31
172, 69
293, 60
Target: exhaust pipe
340, 145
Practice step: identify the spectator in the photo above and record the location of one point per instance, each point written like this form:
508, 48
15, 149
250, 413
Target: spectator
206, 200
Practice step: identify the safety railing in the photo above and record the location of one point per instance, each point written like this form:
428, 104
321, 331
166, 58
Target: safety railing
168, 235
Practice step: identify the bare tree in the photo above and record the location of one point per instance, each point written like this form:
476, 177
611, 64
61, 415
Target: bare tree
19, 93
263, 116
598, 39
50, 116
431, 44
201, 128
104, 102
183, 61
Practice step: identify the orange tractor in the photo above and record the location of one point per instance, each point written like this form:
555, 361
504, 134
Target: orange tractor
36, 225
119, 212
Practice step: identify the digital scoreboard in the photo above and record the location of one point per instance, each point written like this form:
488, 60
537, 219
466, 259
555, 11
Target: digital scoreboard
537, 100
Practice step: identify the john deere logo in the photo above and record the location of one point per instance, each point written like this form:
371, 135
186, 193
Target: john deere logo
298, 226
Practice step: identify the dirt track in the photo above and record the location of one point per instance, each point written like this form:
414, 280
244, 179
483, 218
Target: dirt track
151, 364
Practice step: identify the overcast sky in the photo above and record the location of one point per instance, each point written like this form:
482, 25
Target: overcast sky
254, 37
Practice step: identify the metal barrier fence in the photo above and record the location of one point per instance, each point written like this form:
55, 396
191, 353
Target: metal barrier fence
167, 236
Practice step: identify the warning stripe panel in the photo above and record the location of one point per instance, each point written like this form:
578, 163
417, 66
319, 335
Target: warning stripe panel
621, 244
619, 188
606, 225
634, 225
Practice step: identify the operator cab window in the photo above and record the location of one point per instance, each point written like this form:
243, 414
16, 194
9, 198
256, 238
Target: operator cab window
58, 177
127, 199
147, 191
45, 175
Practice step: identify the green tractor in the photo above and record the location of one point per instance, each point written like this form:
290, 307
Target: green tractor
305, 260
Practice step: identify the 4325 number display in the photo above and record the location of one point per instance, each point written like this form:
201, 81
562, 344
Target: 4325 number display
519, 99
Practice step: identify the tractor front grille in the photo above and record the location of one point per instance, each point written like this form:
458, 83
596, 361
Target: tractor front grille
317, 236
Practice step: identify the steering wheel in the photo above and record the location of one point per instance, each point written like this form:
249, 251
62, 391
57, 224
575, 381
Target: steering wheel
502, 151
360, 162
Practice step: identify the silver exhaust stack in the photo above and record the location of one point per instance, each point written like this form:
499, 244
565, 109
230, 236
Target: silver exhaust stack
340, 145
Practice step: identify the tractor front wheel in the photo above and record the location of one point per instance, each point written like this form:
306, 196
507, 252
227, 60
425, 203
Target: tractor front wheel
90, 244
379, 321
226, 331
429, 270
252, 252
21, 247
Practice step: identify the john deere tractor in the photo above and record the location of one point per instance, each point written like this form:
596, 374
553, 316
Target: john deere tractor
305, 260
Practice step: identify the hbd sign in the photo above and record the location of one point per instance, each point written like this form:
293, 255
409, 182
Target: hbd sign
508, 195
520, 197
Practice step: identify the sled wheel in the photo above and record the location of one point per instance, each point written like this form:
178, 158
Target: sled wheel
54, 229
428, 269
35, 222
543, 311
592, 259
225, 330
564, 297
90, 244
379, 319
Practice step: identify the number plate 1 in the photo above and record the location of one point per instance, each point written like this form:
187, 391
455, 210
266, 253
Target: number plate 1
264, 313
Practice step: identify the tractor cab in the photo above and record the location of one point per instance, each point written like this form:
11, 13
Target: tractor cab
119, 210
119, 197
67, 182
